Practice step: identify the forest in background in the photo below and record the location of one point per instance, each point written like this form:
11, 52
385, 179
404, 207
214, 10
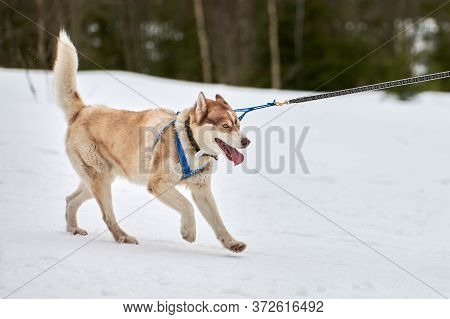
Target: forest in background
289, 44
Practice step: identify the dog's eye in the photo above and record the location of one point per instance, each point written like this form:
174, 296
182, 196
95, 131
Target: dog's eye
225, 126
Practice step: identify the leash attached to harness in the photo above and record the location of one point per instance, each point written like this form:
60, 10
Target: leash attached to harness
372, 87
188, 172
186, 169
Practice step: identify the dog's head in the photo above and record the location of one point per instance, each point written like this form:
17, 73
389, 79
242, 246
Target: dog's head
217, 128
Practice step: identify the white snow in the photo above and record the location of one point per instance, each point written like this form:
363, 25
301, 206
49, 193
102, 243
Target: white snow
379, 169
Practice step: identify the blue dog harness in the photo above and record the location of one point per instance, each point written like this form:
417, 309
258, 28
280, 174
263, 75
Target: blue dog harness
187, 171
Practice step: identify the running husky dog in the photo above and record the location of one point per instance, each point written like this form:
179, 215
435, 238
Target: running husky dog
103, 143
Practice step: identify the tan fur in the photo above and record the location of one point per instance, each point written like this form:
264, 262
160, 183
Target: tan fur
103, 143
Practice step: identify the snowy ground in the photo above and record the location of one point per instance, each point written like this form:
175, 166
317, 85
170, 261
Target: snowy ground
379, 169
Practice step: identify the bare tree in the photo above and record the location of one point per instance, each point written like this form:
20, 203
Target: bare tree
41, 47
224, 39
298, 30
273, 43
295, 69
203, 40
124, 32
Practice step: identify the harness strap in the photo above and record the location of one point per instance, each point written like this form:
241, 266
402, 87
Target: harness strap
186, 169
182, 156
158, 137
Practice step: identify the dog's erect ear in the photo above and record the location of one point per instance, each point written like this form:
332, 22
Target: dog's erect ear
200, 107
220, 98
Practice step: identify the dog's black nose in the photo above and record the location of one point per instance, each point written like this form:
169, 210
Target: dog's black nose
245, 142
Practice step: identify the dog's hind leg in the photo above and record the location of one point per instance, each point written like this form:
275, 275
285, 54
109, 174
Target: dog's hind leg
73, 202
101, 190
170, 196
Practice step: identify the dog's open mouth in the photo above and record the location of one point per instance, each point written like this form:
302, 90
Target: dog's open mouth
230, 152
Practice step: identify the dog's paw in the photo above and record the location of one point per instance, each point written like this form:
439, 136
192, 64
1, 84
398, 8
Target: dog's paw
125, 239
236, 246
77, 231
188, 234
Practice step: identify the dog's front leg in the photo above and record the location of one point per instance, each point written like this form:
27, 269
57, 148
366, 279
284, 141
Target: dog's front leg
205, 202
169, 195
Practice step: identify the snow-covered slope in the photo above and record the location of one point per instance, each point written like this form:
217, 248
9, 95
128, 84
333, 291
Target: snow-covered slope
379, 168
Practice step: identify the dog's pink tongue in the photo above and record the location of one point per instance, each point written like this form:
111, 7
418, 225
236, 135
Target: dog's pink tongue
236, 157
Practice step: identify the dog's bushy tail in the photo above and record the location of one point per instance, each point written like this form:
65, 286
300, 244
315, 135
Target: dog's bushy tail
65, 70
